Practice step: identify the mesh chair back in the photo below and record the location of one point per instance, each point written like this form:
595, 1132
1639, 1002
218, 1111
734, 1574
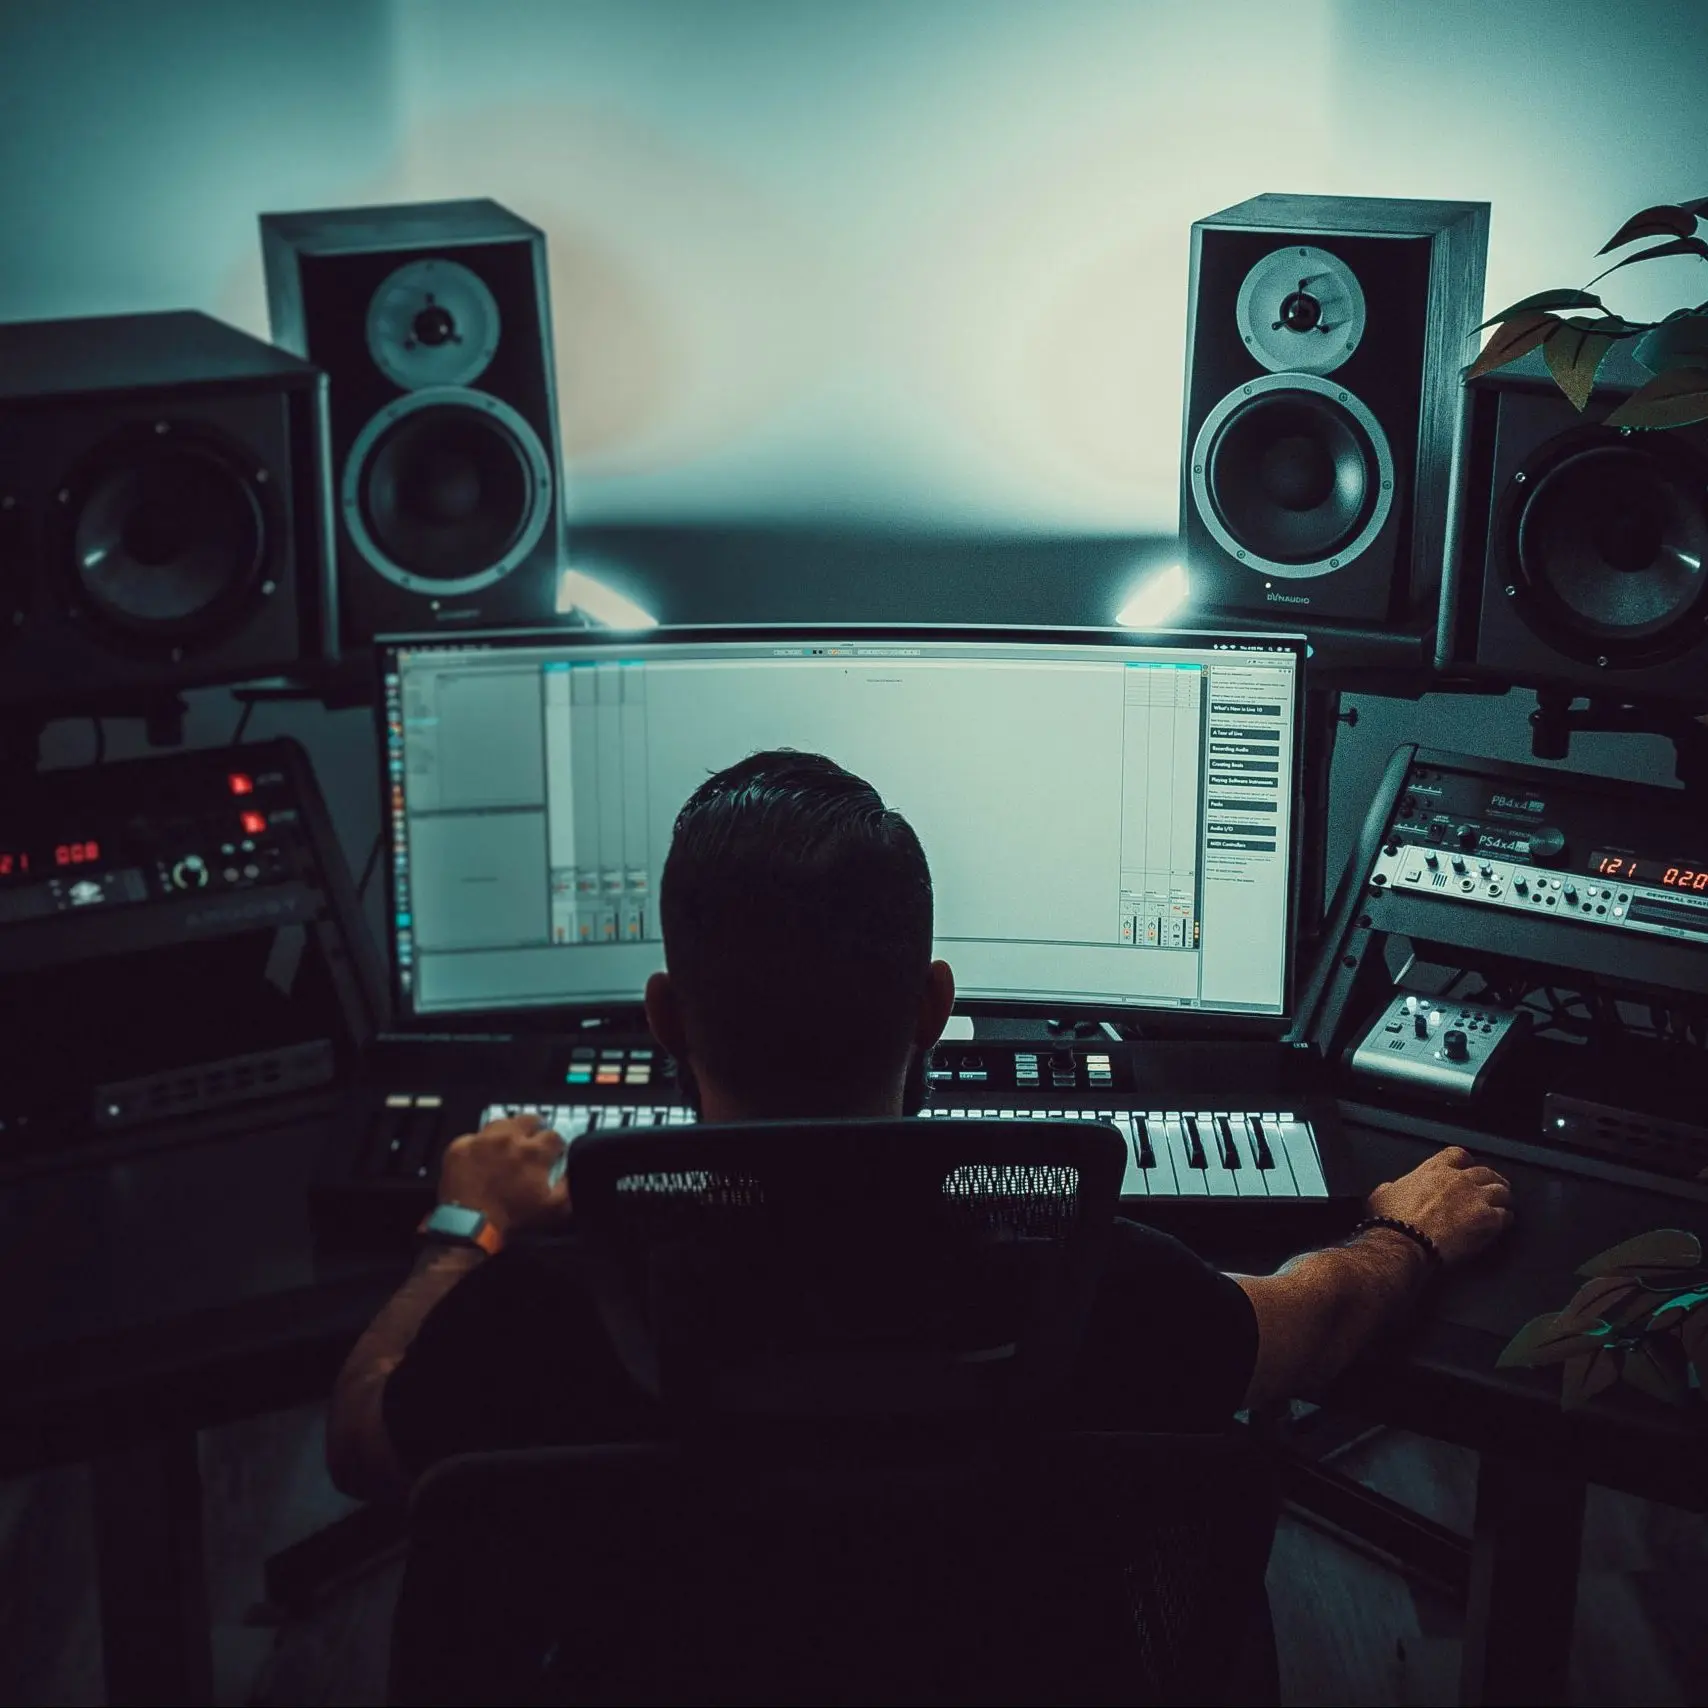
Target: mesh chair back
1078, 1568
851, 1269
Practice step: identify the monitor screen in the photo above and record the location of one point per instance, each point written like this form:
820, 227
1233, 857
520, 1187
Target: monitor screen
1108, 820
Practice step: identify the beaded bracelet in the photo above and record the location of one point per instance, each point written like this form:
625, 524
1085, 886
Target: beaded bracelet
1416, 1235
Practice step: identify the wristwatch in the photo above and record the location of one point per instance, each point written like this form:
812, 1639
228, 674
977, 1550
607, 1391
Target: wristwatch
456, 1224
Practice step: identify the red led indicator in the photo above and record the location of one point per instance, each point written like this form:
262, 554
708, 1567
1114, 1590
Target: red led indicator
254, 823
241, 784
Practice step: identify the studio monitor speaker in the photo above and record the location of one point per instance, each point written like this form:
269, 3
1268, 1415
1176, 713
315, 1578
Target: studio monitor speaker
433, 323
1581, 554
162, 511
1323, 351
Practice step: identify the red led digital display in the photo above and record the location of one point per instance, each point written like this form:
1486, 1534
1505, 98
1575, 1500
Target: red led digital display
14, 863
76, 853
1631, 870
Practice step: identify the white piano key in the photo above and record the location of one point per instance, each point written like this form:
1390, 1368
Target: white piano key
1302, 1156
569, 1121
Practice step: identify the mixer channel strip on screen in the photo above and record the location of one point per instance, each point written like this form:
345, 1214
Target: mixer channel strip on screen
1170, 1154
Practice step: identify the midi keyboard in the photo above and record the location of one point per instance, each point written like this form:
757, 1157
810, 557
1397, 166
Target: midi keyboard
1273, 1169
1204, 1154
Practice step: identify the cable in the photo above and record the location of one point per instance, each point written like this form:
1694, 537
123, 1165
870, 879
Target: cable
368, 870
242, 723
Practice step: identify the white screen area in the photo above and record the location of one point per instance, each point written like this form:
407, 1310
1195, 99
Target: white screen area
1106, 825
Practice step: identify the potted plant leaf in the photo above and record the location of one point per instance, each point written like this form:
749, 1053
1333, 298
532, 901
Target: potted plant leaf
1639, 1317
1575, 329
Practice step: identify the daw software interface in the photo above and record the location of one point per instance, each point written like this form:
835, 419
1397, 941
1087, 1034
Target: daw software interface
1107, 823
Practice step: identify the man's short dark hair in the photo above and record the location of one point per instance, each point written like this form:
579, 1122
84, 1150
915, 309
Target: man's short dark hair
797, 932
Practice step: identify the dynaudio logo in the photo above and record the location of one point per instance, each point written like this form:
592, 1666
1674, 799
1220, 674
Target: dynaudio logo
1288, 598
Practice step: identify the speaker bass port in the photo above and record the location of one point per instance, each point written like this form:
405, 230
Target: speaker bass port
1606, 546
446, 491
164, 536
1292, 475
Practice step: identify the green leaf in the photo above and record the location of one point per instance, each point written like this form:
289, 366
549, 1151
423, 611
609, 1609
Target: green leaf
1573, 355
1588, 1374
1682, 1302
1543, 1340
1680, 341
1673, 399
1672, 1280
1507, 343
1678, 246
1543, 300
1657, 1370
1665, 220
1615, 1299
1664, 1248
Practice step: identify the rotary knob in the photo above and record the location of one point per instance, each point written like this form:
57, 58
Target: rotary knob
1455, 1046
190, 873
1547, 844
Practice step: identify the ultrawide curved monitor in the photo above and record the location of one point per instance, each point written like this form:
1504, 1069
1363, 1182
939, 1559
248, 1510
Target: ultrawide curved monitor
1108, 817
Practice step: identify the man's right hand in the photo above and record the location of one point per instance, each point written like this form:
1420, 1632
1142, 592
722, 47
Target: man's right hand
1462, 1205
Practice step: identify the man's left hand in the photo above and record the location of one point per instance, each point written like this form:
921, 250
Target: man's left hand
505, 1172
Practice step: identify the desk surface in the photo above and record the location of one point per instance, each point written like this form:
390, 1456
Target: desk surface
183, 1286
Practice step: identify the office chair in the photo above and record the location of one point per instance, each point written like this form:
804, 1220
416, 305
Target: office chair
859, 1334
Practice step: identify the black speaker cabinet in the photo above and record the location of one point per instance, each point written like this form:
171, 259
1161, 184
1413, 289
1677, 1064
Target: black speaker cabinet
1581, 557
162, 511
1323, 350
433, 323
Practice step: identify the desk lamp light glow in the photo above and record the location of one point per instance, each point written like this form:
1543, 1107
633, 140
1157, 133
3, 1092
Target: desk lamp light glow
1154, 600
598, 605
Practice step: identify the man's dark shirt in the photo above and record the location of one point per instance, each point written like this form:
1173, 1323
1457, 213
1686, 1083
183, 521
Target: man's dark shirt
515, 1355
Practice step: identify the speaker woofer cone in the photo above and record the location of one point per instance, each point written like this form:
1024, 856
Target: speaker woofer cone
1292, 475
446, 491
164, 536
1608, 541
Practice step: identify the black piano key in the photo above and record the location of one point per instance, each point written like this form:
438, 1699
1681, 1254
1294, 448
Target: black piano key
1265, 1157
1194, 1144
1147, 1157
1225, 1143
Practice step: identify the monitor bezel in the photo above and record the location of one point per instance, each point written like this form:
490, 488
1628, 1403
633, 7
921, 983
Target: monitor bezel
561, 1018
